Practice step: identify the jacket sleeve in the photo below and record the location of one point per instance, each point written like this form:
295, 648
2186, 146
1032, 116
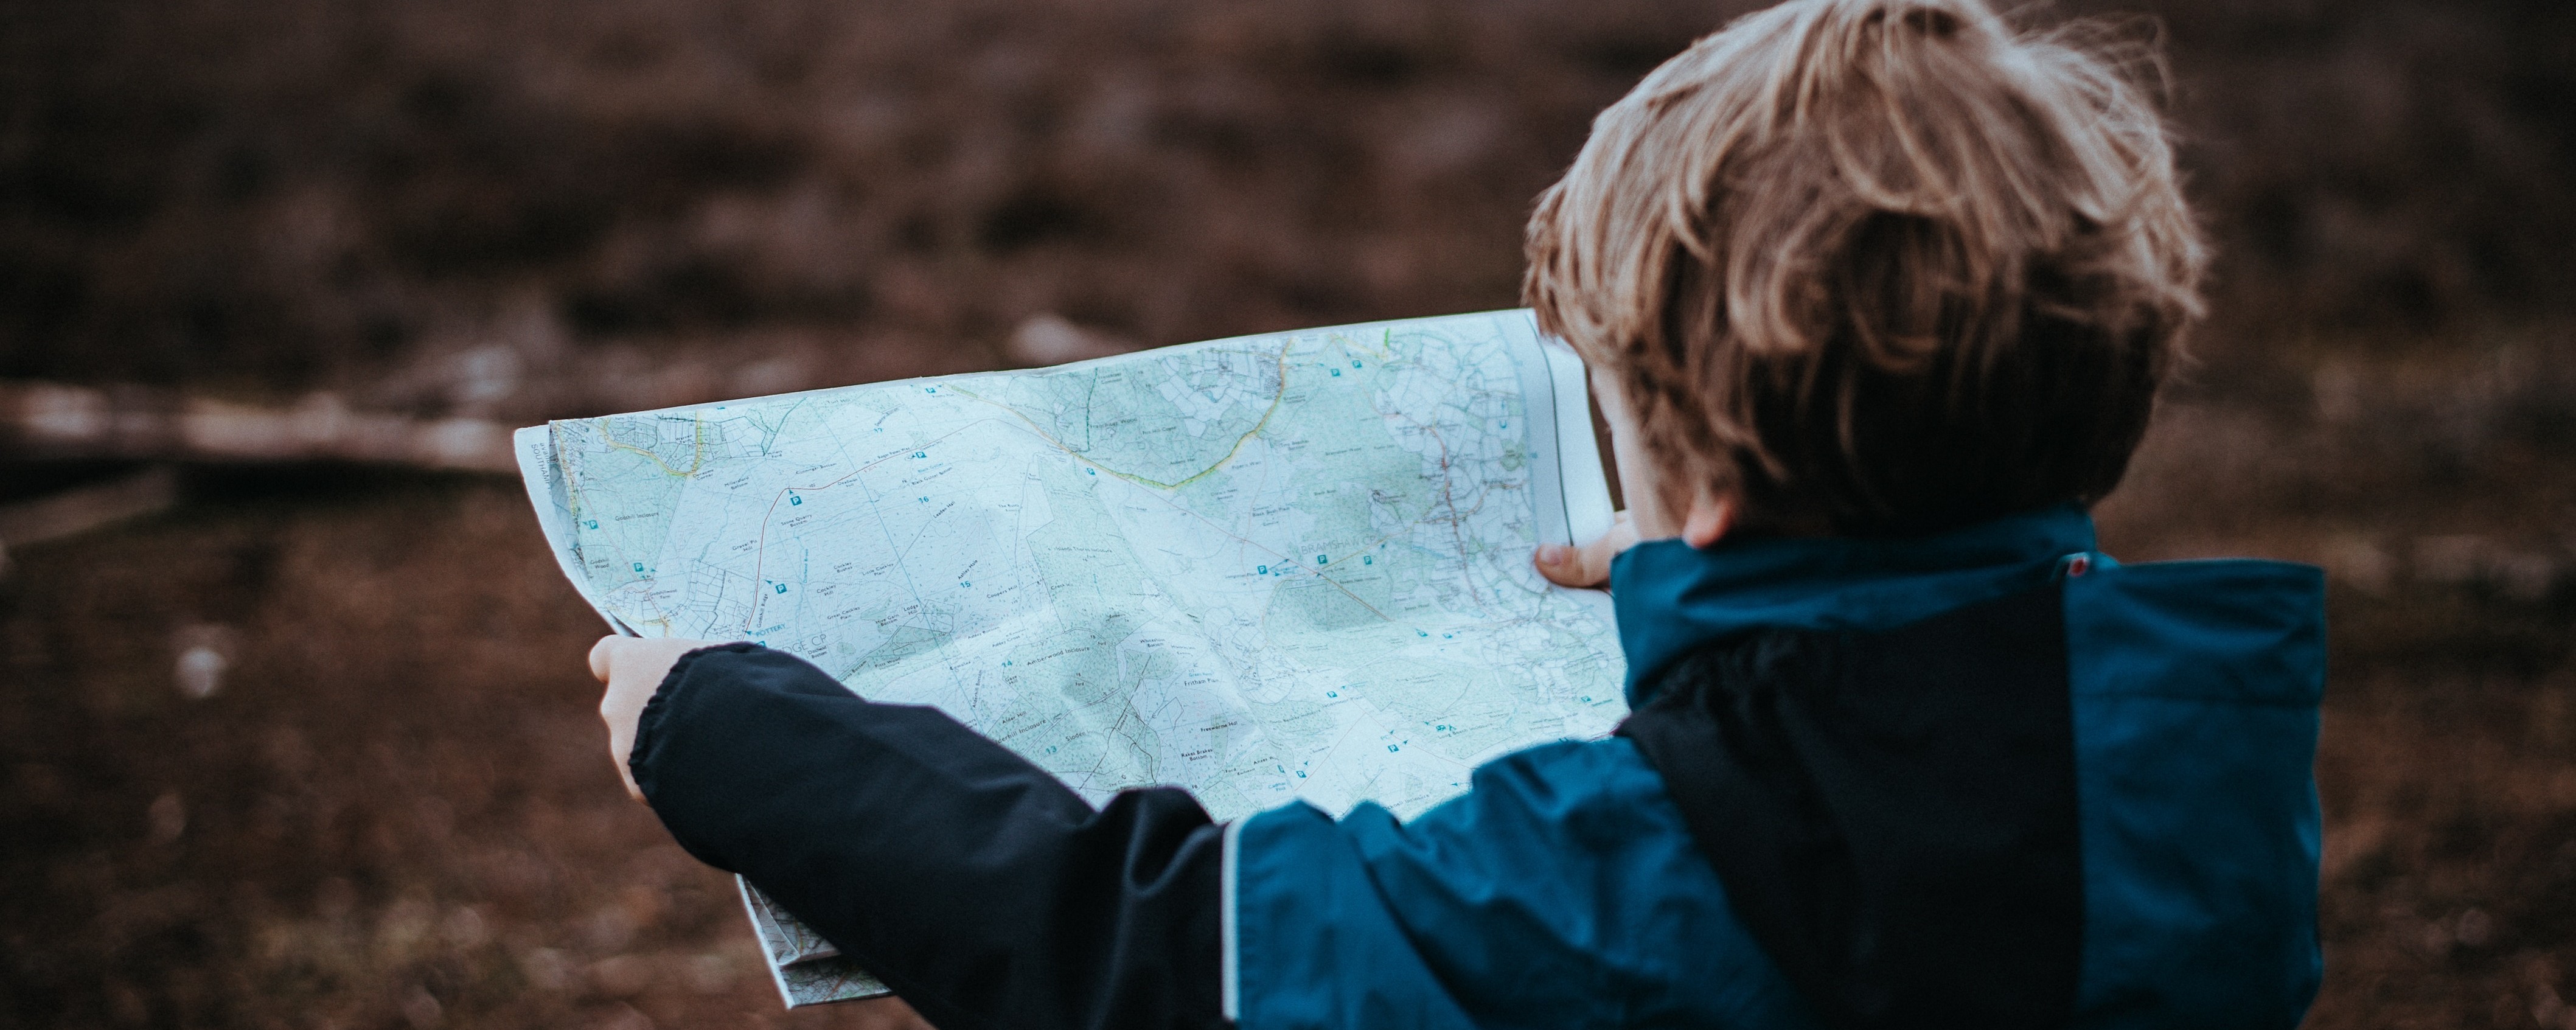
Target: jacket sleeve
1561, 891
981, 889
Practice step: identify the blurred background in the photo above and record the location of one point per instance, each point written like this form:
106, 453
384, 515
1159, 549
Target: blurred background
294, 730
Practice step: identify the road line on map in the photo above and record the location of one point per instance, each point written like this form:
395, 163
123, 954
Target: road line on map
1279, 556
1257, 427
697, 446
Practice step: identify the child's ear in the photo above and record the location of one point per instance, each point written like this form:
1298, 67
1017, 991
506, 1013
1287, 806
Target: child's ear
1709, 519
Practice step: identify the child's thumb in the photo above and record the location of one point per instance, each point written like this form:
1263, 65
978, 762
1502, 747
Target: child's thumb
1569, 566
599, 655
1587, 565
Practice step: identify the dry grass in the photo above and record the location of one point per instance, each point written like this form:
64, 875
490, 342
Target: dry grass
395, 809
284, 194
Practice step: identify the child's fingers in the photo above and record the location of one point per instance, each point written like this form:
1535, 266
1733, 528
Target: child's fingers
632, 669
1562, 565
1587, 565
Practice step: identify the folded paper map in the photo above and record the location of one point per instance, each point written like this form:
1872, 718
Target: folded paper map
1292, 566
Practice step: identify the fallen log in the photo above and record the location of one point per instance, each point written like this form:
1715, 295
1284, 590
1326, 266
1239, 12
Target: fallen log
40, 420
84, 508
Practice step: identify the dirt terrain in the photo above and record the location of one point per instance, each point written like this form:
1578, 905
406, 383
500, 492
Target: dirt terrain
383, 801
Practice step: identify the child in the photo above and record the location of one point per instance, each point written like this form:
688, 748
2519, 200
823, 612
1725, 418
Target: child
1877, 294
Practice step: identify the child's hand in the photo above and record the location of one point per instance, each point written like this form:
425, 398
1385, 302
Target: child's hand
633, 668
1587, 565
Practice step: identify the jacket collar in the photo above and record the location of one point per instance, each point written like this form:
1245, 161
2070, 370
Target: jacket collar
1671, 597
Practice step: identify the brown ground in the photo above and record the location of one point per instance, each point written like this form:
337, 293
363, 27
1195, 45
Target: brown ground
396, 810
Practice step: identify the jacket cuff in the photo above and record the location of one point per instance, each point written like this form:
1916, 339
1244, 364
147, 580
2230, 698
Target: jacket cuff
648, 722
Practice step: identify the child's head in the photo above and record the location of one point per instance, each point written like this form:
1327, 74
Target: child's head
1876, 266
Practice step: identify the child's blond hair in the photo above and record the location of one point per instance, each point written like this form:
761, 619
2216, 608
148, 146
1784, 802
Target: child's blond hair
1877, 266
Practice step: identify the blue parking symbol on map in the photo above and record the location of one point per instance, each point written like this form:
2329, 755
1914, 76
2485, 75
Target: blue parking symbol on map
921, 454
1319, 559
639, 566
782, 587
1262, 570
1368, 559
793, 499
1355, 364
593, 523
1337, 372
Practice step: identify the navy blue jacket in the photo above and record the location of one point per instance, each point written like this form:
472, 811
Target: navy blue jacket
1989, 778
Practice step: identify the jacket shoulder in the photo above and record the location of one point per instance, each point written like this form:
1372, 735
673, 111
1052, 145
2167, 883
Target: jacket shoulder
2195, 688
2219, 630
